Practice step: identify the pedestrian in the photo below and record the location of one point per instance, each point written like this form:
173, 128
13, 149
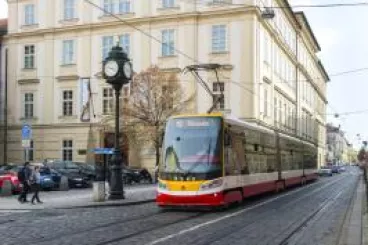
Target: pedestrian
24, 175
36, 184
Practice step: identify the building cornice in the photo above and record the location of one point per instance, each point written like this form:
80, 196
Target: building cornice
136, 21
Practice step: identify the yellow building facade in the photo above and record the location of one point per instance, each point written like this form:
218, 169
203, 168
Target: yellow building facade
273, 75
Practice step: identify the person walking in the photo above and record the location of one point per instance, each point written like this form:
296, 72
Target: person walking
24, 176
36, 184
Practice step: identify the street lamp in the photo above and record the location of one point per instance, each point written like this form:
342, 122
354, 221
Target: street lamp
117, 71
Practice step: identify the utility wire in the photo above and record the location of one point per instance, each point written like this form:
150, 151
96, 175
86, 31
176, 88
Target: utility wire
329, 5
138, 29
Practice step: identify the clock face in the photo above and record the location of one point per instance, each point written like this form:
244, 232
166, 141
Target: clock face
111, 68
127, 70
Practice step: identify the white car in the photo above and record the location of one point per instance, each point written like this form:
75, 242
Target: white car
325, 171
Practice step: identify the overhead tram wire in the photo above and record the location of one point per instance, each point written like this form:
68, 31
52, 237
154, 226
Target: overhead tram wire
328, 5
138, 29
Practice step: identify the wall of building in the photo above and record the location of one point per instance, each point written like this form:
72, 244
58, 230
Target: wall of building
272, 61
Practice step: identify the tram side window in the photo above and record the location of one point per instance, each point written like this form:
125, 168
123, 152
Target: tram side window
271, 163
253, 163
285, 162
235, 156
262, 164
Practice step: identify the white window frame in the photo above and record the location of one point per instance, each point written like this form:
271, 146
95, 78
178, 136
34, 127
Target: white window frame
28, 105
29, 56
29, 14
107, 43
69, 10
107, 101
67, 150
124, 7
168, 42
68, 52
67, 107
125, 42
117, 6
218, 89
168, 4
219, 40
265, 102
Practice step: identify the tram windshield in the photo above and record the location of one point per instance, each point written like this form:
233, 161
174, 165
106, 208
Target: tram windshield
192, 149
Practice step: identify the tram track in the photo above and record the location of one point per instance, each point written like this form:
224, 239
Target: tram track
151, 217
249, 226
312, 218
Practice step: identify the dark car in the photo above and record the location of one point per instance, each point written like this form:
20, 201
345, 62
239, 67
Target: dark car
50, 178
136, 175
87, 170
335, 169
72, 172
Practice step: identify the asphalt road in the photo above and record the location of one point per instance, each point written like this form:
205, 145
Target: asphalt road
312, 214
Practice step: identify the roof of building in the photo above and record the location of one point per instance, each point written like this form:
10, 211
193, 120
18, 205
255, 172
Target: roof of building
309, 29
292, 13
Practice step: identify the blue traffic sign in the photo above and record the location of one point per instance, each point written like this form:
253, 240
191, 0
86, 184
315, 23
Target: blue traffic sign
26, 132
103, 151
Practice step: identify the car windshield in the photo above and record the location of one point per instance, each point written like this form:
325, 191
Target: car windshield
192, 146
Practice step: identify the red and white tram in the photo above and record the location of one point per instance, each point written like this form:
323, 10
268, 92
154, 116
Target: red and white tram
214, 160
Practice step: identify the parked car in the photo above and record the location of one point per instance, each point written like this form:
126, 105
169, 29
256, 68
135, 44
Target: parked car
136, 175
10, 172
325, 171
87, 169
72, 172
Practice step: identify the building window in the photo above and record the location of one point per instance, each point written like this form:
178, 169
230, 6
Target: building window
29, 14
28, 105
30, 152
265, 102
218, 91
125, 42
29, 56
266, 49
68, 52
124, 7
275, 109
69, 9
168, 42
116, 6
168, 3
107, 43
107, 101
67, 103
67, 150
218, 38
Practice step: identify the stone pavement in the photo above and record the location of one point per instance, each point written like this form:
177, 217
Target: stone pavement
352, 230
78, 198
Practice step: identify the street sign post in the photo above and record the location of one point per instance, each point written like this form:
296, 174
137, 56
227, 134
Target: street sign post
103, 151
26, 139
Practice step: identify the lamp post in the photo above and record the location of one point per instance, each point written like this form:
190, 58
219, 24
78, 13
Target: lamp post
117, 70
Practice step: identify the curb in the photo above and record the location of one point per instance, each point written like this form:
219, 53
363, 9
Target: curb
94, 205
102, 204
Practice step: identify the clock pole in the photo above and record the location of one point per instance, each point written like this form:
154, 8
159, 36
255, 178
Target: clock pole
117, 70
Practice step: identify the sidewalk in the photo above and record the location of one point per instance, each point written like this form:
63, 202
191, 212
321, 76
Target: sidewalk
80, 198
352, 233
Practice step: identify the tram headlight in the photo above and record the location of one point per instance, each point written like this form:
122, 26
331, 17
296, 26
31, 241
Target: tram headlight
211, 184
162, 185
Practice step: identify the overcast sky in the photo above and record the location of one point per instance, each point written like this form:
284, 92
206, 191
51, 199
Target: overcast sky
343, 37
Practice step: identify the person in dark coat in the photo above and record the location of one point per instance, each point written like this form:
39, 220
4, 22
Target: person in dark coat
26, 177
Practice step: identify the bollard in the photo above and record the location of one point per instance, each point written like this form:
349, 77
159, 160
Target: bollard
99, 183
64, 184
99, 191
6, 189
